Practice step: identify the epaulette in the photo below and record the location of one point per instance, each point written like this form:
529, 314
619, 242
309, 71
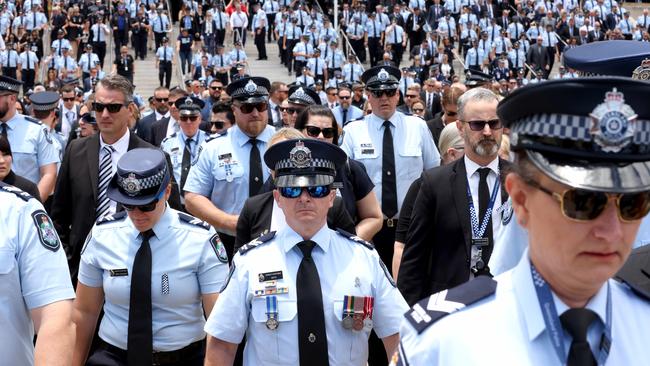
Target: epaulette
256, 242
32, 120
17, 191
355, 238
215, 135
636, 272
435, 307
118, 216
172, 136
193, 220
354, 120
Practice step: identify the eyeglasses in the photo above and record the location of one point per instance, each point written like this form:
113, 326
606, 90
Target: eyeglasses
171, 102
379, 93
495, 124
314, 131
189, 118
411, 96
144, 208
291, 110
314, 192
112, 107
68, 99
583, 205
247, 108
418, 110
344, 98
218, 124
162, 100
216, 87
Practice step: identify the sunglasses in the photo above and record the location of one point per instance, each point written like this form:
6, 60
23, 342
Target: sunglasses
411, 96
582, 205
216, 87
144, 208
68, 99
189, 118
247, 108
495, 124
218, 124
314, 131
112, 107
418, 110
291, 110
344, 98
379, 93
162, 100
451, 114
314, 192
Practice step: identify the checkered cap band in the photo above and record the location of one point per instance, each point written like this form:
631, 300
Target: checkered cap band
314, 163
143, 184
9, 86
45, 107
301, 97
242, 93
570, 127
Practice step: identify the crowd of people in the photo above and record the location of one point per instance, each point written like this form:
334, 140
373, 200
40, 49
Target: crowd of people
357, 215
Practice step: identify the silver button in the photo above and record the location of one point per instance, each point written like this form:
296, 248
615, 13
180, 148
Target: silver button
311, 338
388, 172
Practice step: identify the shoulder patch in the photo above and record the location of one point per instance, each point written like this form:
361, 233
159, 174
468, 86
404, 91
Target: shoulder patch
193, 221
256, 242
46, 233
636, 272
17, 191
32, 119
110, 218
355, 238
435, 307
219, 248
48, 138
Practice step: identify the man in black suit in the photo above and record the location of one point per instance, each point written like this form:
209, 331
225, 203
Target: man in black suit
537, 57
165, 127
431, 97
569, 30
161, 111
80, 197
91, 80
413, 28
444, 248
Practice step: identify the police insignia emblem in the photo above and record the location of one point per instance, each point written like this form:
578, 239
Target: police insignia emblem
131, 185
188, 101
383, 75
643, 71
613, 126
219, 248
46, 233
250, 87
300, 155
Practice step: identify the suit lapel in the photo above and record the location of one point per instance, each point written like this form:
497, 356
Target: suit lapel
458, 183
92, 155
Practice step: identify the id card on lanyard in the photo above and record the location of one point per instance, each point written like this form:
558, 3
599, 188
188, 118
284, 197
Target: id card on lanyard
478, 228
554, 327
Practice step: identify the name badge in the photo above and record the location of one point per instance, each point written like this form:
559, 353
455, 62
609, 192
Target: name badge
121, 272
225, 156
270, 276
367, 151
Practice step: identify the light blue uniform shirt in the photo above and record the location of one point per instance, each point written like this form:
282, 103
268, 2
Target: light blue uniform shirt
174, 146
184, 263
64, 62
31, 274
221, 173
352, 114
59, 44
31, 146
237, 56
412, 143
165, 53
352, 72
9, 58
87, 61
394, 34
33, 59
220, 61
345, 268
517, 332
160, 23
334, 59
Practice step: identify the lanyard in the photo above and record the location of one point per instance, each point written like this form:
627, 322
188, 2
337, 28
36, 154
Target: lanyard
479, 230
554, 327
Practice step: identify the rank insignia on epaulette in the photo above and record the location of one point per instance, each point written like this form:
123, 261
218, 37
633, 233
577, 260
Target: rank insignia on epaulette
193, 220
111, 217
355, 238
17, 191
256, 242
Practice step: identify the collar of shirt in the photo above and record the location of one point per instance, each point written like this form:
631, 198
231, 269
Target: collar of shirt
159, 229
242, 139
160, 116
289, 238
13, 121
471, 167
379, 122
197, 138
524, 290
121, 146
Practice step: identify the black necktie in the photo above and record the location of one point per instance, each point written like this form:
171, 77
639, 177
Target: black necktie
255, 173
185, 163
312, 336
345, 116
388, 180
4, 130
483, 202
576, 322
140, 337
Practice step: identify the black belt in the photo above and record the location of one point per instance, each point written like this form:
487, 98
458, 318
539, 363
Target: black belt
161, 358
390, 222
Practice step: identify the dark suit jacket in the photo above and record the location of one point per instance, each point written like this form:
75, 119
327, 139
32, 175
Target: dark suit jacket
409, 24
158, 131
75, 196
24, 184
436, 106
436, 126
537, 55
143, 128
438, 245
255, 218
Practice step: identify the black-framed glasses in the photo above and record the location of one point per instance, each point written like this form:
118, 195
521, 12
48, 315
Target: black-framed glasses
218, 124
162, 100
71, 99
314, 131
582, 205
290, 110
379, 93
247, 108
216, 87
112, 107
477, 125
189, 118
418, 110
170, 102
344, 98
144, 208
314, 192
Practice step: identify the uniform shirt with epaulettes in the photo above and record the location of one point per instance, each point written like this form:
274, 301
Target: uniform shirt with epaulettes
394, 34
352, 72
165, 54
292, 32
160, 23
87, 61
66, 62
28, 60
303, 47
33, 271
32, 146
188, 261
412, 142
9, 58
267, 268
334, 59
220, 61
374, 28
221, 172
317, 65
305, 80
355, 31
59, 44
174, 146
259, 20
507, 308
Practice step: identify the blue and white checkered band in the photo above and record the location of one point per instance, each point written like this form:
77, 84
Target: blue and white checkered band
132, 186
45, 107
250, 87
9, 86
300, 155
613, 122
302, 96
314, 163
643, 71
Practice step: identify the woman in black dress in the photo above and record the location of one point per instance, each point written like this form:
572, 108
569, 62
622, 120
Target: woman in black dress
84, 36
73, 28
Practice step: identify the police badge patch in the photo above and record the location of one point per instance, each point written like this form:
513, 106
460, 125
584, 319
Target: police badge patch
46, 233
219, 249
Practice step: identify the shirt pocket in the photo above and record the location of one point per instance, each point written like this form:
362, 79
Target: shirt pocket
352, 344
276, 344
411, 162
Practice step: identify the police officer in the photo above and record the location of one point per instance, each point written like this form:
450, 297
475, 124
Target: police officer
44, 106
300, 97
229, 169
306, 294
558, 305
154, 270
184, 146
164, 61
10, 60
35, 155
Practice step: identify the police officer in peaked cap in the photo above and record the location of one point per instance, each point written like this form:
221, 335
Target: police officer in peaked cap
305, 294
152, 269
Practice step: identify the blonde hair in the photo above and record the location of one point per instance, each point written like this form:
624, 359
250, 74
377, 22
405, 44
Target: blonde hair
285, 133
449, 137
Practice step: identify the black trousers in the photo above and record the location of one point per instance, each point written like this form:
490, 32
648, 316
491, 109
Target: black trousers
260, 43
100, 49
220, 36
282, 53
270, 20
551, 61
374, 50
165, 73
107, 355
9, 71
223, 77
289, 54
140, 45
120, 40
398, 51
28, 77
359, 49
157, 37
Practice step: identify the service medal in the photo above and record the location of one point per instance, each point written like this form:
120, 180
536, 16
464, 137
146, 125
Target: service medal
348, 322
272, 323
